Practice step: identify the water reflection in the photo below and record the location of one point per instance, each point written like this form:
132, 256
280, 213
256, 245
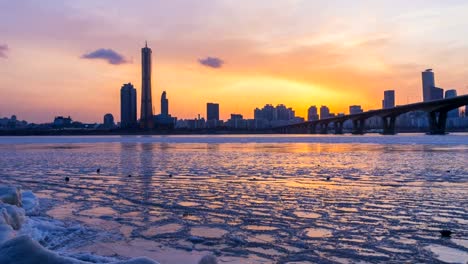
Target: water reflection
269, 201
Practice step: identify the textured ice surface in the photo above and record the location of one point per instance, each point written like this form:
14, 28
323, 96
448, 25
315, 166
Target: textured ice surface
24, 250
29, 201
19, 235
448, 254
246, 199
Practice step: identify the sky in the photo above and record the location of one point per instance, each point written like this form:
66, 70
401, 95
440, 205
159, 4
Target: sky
71, 58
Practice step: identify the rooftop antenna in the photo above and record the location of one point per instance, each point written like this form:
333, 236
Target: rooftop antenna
146, 43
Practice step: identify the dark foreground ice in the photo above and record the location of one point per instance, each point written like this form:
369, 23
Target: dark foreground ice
245, 199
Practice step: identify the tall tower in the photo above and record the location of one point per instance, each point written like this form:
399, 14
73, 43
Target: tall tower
164, 104
212, 111
146, 118
389, 99
428, 84
324, 112
128, 106
312, 113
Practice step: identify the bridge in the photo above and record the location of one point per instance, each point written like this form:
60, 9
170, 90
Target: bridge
437, 116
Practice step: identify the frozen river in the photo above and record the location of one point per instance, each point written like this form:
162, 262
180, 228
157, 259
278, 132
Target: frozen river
247, 199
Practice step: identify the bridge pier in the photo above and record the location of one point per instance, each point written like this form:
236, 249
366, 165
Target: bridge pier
324, 128
312, 129
338, 127
389, 125
358, 126
437, 122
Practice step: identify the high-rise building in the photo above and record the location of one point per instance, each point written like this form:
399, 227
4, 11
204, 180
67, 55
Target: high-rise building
284, 113
212, 111
437, 93
268, 112
355, 109
389, 99
450, 94
146, 117
271, 113
430, 91
164, 105
324, 112
109, 121
128, 106
428, 83
312, 113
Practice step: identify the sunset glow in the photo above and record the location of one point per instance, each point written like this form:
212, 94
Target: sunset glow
297, 53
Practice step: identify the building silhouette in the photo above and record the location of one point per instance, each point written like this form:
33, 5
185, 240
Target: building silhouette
164, 104
128, 106
146, 117
109, 121
268, 112
164, 120
324, 112
212, 112
430, 91
437, 93
59, 121
312, 113
389, 99
237, 121
450, 94
428, 83
355, 109
271, 113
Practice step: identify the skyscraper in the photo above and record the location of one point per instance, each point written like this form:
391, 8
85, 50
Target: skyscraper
437, 93
389, 99
324, 112
164, 105
146, 118
428, 83
312, 113
128, 106
450, 94
212, 112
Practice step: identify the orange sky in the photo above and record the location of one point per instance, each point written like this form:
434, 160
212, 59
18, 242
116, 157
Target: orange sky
299, 53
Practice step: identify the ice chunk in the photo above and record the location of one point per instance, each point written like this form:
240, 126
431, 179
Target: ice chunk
11, 215
41, 229
30, 201
10, 195
24, 250
11, 219
6, 232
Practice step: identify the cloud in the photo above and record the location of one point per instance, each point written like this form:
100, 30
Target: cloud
3, 50
212, 62
111, 56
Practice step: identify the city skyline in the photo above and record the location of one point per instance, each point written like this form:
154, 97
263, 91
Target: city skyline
307, 61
